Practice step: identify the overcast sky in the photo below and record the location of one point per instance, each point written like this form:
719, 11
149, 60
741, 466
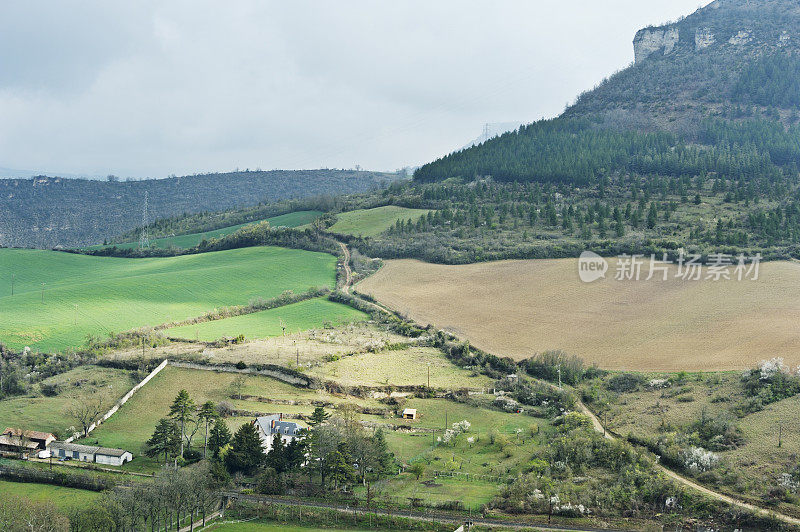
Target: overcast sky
147, 89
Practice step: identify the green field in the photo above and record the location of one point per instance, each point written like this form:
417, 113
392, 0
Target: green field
292, 219
133, 424
47, 413
62, 498
309, 314
371, 222
60, 298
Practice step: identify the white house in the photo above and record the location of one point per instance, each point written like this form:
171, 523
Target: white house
90, 453
269, 426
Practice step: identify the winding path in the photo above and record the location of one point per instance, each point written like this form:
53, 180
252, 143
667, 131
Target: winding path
599, 428
348, 274
693, 485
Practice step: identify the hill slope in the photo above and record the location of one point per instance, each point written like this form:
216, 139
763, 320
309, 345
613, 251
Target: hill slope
47, 212
728, 59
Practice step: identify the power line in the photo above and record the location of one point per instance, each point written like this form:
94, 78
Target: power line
144, 241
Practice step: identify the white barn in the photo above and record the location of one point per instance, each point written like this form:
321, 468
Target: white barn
90, 453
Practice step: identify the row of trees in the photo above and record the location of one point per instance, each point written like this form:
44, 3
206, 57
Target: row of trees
174, 499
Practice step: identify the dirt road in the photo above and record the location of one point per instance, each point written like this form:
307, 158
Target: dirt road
693, 485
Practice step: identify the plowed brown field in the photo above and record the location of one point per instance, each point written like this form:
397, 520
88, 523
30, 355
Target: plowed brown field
517, 308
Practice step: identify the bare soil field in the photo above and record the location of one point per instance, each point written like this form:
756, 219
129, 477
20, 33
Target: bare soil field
518, 308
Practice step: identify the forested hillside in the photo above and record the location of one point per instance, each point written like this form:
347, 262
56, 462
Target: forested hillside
48, 211
695, 147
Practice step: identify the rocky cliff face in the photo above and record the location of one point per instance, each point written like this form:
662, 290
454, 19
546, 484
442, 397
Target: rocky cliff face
732, 58
651, 40
746, 25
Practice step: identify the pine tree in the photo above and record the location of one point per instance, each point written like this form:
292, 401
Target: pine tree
246, 454
165, 439
207, 414
276, 457
384, 458
318, 416
181, 411
220, 437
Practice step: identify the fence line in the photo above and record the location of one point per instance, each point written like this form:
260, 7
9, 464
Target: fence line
121, 402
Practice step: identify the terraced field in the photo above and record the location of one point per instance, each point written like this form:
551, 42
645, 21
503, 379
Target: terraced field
371, 222
309, 314
292, 219
518, 308
60, 298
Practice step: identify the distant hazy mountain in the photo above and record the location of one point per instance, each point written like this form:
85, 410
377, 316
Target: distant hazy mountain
47, 211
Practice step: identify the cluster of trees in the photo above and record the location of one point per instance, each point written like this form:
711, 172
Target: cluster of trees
336, 449
173, 435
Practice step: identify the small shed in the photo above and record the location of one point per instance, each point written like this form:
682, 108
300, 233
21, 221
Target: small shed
410, 413
117, 457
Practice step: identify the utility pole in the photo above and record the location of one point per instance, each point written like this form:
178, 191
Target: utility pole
12, 283
42, 293
780, 434
144, 240
429, 375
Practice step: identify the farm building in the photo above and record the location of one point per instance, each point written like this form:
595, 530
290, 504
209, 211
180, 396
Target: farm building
41, 439
90, 453
14, 445
410, 413
269, 426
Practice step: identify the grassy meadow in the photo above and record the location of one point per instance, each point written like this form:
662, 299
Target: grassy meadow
309, 314
64, 499
292, 219
371, 222
520, 307
60, 298
47, 414
399, 367
672, 410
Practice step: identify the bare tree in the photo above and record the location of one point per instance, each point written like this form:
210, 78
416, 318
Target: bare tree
86, 408
236, 386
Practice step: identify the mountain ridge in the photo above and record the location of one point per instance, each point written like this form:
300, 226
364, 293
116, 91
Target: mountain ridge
48, 212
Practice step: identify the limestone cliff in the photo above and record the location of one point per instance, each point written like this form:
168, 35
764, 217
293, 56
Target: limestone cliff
749, 25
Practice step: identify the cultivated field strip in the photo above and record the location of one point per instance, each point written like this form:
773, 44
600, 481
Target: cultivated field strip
518, 308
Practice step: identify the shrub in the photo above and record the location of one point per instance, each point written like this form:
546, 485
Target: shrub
698, 460
625, 382
546, 366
